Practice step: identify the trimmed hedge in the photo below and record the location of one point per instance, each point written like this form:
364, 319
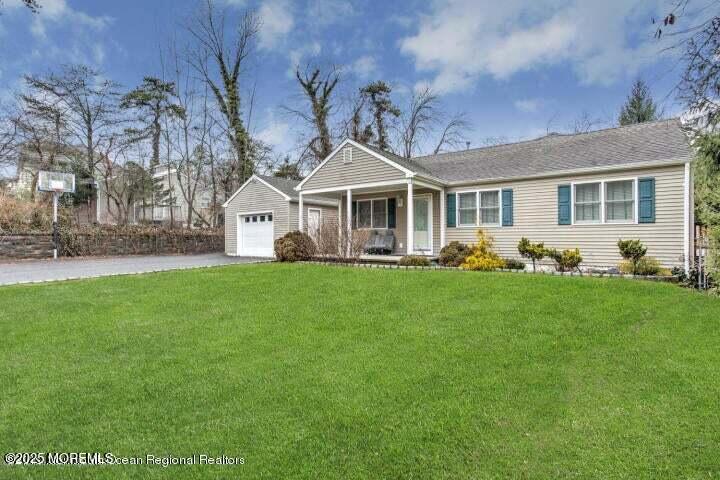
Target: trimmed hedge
414, 261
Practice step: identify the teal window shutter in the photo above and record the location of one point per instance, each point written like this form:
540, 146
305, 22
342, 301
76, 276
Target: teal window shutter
646, 197
507, 207
391, 212
450, 206
564, 206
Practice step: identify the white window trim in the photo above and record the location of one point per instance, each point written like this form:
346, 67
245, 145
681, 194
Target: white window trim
603, 217
477, 208
347, 154
372, 211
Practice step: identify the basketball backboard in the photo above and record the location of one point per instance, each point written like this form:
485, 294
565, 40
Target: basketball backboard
59, 182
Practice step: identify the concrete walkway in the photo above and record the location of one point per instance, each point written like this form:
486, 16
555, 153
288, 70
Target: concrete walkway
37, 271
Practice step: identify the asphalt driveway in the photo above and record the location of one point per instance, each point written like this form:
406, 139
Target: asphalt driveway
74, 268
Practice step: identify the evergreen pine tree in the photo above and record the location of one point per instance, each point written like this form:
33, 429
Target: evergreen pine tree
639, 106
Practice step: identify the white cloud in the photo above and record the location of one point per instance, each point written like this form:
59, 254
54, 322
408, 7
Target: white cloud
329, 12
276, 133
277, 21
298, 55
461, 40
58, 12
364, 66
528, 105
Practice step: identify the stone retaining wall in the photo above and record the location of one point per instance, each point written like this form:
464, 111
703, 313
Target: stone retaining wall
18, 247
38, 246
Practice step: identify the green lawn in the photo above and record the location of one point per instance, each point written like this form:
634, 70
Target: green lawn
328, 372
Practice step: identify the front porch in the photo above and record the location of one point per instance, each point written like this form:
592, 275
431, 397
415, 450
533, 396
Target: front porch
409, 211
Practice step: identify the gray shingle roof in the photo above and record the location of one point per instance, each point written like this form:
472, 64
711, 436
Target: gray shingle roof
287, 186
410, 164
660, 141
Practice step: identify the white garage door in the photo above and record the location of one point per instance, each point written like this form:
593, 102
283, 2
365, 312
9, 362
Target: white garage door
255, 235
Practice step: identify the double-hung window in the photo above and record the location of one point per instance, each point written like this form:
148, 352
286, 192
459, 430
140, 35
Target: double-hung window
620, 201
606, 201
371, 213
587, 202
489, 208
467, 208
379, 213
478, 208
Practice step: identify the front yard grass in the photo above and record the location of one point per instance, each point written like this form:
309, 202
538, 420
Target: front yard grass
328, 372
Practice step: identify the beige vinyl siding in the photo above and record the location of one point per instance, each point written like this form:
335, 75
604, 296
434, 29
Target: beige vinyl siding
365, 168
327, 214
400, 229
536, 217
255, 197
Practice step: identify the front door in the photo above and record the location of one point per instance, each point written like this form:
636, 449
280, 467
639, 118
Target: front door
314, 223
423, 225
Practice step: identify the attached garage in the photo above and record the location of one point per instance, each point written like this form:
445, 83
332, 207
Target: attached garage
255, 235
264, 209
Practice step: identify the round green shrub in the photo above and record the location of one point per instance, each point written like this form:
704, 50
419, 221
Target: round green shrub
414, 261
567, 260
513, 264
644, 266
294, 247
454, 254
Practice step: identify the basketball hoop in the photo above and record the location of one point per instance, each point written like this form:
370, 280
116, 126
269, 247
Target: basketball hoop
57, 183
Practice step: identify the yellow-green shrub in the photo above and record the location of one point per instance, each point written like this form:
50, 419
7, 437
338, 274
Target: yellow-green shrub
483, 257
644, 266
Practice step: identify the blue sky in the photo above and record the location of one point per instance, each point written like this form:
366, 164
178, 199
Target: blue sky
516, 67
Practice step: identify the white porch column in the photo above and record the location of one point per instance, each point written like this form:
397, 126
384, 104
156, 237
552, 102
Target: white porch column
443, 222
410, 218
348, 214
301, 219
339, 223
688, 223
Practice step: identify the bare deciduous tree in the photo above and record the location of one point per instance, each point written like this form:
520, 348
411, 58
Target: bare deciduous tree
453, 134
219, 60
418, 121
89, 105
317, 89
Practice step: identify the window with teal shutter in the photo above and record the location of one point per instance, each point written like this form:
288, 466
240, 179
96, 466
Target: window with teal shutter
391, 212
450, 207
507, 207
646, 197
564, 217
353, 221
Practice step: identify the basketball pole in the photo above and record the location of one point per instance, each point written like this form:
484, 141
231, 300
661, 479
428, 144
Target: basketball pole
55, 225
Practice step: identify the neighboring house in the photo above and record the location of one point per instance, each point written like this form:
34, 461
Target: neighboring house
581, 191
29, 162
170, 204
264, 209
